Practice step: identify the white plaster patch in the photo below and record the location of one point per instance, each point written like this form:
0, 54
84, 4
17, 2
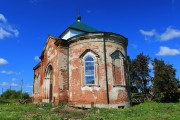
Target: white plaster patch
122, 104
113, 94
90, 88
45, 100
70, 95
50, 54
55, 94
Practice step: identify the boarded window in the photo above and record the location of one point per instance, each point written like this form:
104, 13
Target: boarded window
117, 68
37, 83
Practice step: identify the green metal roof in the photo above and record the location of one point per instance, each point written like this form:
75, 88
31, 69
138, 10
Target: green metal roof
82, 27
79, 26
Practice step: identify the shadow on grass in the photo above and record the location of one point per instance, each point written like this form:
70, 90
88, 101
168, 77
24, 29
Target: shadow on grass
135, 103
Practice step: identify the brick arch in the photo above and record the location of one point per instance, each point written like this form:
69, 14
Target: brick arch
86, 51
48, 84
49, 70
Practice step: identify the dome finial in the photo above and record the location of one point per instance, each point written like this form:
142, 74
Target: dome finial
79, 18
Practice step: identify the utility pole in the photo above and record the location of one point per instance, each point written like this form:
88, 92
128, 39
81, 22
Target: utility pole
21, 88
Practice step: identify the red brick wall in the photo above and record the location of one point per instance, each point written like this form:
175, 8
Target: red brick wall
51, 55
78, 92
84, 94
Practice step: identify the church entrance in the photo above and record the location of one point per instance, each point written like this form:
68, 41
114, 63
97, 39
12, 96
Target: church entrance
48, 85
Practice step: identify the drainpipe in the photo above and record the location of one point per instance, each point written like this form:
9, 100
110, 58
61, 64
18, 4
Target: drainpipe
105, 65
68, 67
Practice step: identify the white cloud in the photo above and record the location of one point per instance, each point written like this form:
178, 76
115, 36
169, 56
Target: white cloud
9, 72
4, 33
6, 72
4, 84
37, 58
169, 34
2, 18
3, 61
6, 30
165, 51
28, 86
148, 33
13, 79
133, 45
14, 84
7, 84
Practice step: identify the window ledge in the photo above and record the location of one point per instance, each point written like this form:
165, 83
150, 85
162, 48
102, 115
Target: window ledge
91, 85
119, 85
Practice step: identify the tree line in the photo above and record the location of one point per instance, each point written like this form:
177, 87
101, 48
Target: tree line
12, 94
157, 83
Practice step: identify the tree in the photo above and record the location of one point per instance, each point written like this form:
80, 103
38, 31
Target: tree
25, 95
12, 94
165, 85
139, 73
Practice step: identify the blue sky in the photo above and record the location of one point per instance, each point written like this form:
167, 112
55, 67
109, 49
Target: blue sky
152, 27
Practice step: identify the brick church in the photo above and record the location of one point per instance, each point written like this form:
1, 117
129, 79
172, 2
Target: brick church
84, 67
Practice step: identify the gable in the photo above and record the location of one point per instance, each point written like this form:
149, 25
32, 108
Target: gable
76, 29
49, 43
70, 33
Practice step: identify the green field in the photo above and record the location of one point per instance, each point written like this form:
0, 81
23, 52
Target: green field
143, 111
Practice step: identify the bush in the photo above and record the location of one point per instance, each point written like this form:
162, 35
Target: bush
25, 96
12, 94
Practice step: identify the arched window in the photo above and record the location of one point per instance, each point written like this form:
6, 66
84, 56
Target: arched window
37, 83
48, 72
89, 70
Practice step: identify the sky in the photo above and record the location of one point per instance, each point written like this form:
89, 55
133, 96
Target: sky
151, 26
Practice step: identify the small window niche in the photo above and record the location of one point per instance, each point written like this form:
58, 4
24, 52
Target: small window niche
118, 68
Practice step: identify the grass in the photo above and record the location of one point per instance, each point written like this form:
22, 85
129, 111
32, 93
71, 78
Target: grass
152, 111
143, 111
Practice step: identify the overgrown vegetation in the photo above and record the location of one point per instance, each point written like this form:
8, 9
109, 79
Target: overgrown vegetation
14, 95
144, 111
163, 86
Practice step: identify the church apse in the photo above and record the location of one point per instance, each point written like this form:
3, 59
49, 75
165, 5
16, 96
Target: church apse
86, 69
